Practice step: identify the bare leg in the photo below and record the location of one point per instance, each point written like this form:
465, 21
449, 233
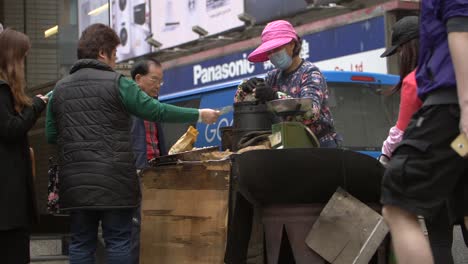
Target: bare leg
409, 242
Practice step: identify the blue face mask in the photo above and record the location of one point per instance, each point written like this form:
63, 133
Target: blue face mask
281, 59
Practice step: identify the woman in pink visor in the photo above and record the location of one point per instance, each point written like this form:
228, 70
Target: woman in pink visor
293, 78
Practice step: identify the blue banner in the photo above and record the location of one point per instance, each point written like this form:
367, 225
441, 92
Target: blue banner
210, 134
336, 42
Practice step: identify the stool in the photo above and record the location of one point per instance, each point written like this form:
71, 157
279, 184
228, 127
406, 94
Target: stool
290, 224
293, 221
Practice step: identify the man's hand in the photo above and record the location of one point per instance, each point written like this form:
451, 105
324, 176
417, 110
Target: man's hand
43, 98
208, 116
251, 84
264, 93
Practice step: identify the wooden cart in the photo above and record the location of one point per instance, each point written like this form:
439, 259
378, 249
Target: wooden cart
184, 212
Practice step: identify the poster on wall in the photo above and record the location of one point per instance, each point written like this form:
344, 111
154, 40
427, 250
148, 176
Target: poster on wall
172, 20
91, 12
131, 21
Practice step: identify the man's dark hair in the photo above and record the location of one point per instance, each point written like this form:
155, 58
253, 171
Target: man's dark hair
96, 38
142, 66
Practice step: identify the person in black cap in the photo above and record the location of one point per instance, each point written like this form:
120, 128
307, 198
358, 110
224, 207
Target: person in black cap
405, 43
404, 30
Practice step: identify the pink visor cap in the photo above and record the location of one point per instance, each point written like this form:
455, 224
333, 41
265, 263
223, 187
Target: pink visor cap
275, 34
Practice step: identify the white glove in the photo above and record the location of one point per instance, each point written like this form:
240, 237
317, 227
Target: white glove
383, 159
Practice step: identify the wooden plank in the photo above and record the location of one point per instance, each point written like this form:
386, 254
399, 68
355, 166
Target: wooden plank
347, 231
199, 176
184, 214
181, 202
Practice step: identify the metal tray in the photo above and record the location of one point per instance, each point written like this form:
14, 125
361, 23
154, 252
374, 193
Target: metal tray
192, 155
290, 105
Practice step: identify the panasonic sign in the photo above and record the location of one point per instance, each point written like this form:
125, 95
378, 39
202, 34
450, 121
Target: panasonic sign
224, 71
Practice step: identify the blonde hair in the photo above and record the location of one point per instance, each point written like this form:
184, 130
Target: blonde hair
13, 48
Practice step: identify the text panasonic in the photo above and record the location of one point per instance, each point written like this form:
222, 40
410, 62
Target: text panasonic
222, 71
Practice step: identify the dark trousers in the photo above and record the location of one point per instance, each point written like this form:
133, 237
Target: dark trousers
116, 227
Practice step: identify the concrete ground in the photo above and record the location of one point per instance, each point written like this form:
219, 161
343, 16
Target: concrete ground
459, 249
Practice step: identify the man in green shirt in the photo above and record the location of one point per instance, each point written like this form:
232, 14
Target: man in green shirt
147, 137
89, 117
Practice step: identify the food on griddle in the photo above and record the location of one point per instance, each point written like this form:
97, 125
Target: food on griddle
185, 142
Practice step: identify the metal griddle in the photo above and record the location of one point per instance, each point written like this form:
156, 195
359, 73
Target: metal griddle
192, 155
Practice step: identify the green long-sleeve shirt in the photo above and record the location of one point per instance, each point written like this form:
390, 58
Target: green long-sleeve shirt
137, 103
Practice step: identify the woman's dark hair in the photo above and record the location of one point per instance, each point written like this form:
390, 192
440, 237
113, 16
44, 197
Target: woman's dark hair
142, 67
96, 38
408, 61
15, 45
297, 47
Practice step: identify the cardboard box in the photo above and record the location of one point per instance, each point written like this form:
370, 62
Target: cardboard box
347, 231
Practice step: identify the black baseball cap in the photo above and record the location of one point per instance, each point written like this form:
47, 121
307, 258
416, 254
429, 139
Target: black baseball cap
403, 31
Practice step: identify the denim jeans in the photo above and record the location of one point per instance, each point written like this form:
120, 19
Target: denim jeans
116, 228
136, 229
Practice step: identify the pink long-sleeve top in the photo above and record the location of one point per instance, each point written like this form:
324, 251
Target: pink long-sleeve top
409, 104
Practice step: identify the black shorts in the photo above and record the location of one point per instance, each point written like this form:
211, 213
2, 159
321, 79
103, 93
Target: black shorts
424, 173
14, 246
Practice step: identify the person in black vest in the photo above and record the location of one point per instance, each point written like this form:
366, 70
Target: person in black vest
89, 118
147, 136
18, 114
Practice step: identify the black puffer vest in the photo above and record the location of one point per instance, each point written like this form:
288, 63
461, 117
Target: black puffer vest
96, 163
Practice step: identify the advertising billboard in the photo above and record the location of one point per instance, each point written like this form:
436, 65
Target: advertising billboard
267, 10
131, 21
91, 12
172, 20
353, 47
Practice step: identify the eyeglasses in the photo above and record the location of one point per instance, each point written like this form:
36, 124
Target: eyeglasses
156, 80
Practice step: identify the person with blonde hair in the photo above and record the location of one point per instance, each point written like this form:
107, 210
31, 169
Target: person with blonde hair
18, 114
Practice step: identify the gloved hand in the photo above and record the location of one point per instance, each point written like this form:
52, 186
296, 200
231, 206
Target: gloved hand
264, 93
251, 83
253, 138
383, 159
